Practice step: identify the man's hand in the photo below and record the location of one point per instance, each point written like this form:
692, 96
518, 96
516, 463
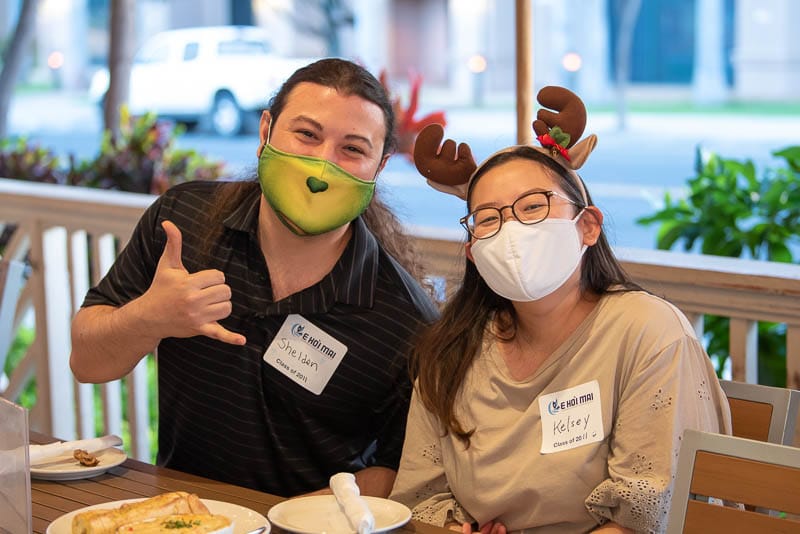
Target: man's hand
183, 304
108, 341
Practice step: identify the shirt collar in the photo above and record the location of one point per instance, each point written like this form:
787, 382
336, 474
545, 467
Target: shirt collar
356, 273
353, 278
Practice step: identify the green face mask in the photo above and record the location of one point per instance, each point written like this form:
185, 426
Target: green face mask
311, 195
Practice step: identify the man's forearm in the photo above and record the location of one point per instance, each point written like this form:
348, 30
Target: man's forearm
372, 481
376, 481
108, 342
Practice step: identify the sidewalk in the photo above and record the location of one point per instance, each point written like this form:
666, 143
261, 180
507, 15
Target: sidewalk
73, 112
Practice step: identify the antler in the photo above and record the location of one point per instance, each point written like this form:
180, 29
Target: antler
447, 168
570, 117
570, 114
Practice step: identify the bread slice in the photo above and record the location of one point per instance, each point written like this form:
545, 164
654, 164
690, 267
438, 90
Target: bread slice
180, 524
108, 521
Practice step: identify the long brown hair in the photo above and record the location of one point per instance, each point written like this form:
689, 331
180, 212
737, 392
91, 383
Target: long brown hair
348, 79
445, 351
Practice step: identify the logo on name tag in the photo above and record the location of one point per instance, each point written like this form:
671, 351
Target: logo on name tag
299, 331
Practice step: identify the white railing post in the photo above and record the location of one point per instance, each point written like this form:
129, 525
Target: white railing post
743, 347
698, 323
138, 411
41, 415
84, 393
793, 357
58, 316
103, 254
12, 279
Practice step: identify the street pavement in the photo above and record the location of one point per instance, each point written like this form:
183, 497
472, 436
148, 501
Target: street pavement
628, 173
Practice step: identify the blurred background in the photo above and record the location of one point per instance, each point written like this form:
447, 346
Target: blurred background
665, 81
698, 50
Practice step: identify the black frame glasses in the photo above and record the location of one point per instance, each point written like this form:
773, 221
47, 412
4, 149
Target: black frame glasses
530, 208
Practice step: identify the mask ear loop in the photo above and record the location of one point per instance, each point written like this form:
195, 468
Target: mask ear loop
575, 220
269, 135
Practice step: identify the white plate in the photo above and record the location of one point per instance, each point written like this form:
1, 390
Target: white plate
68, 468
244, 519
320, 514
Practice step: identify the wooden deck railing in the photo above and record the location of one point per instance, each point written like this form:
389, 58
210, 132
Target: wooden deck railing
70, 236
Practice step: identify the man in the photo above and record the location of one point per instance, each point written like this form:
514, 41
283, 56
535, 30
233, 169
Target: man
281, 321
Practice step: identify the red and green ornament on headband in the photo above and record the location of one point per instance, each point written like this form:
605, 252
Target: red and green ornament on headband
556, 140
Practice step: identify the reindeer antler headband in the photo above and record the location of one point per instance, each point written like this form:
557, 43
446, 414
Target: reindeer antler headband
451, 168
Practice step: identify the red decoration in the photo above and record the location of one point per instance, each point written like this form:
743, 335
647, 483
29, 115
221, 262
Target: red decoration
549, 142
407, 126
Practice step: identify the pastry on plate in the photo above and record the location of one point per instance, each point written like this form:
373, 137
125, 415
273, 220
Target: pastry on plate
107, 521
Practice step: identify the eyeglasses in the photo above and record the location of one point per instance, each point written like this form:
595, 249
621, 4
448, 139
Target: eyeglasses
530, 208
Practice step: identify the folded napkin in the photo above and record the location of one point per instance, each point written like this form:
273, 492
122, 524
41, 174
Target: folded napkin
39, 453
352, 504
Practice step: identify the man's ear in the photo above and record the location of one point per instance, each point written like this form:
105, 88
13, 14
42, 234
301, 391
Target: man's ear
263, 131
591, 224
384, 160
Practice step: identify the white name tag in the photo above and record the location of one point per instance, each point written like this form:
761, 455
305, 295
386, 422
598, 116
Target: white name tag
305, 354
571, 418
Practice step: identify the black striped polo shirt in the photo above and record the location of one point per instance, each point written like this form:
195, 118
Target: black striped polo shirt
226, 414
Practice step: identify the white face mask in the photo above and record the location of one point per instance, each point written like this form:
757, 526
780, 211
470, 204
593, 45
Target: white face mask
527, 262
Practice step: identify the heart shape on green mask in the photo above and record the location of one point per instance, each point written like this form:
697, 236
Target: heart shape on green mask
315, 185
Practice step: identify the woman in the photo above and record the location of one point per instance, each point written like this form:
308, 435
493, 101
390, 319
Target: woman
552, 393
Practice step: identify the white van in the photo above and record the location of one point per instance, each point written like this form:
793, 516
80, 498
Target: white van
215, 73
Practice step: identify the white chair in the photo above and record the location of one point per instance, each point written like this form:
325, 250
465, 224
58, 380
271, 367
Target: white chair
763, 413
761, 475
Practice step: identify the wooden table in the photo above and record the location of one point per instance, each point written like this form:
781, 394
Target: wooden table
135, 479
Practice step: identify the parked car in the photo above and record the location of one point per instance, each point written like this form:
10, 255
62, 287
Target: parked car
216, 73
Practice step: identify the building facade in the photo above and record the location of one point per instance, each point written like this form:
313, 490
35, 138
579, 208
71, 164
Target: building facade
709, 50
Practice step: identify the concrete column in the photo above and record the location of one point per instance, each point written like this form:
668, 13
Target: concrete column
708, 80
766, 55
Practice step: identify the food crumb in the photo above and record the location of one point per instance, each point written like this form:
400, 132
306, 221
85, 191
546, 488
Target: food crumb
85, 458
